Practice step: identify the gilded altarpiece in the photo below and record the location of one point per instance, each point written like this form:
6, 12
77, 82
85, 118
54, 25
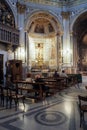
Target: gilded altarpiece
39, 54
44, 53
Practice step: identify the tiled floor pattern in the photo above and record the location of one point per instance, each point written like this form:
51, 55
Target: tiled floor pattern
59, 112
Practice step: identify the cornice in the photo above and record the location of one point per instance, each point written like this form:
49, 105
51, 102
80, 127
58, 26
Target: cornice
57, 3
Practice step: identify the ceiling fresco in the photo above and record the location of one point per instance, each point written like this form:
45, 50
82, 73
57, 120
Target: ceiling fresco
43, 24
57, 2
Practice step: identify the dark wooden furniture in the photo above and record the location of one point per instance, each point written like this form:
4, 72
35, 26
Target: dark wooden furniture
1, 69
14, 68
52, 84
23, 86
3, 94
9, 35
9, 94
13, 94
86, 87
75, 79
82, 107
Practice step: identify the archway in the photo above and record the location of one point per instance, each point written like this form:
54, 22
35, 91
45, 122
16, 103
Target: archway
44, 37
80, 36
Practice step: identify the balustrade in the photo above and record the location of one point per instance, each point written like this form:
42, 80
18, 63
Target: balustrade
9, 35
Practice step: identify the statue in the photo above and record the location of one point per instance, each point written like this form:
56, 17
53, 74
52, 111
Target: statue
39, 54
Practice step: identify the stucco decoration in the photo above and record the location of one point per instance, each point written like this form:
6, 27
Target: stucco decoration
44, 22
43, 30
20, 8
6, 14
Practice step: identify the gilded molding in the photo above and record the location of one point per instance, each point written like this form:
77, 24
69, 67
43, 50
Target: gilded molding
20, 8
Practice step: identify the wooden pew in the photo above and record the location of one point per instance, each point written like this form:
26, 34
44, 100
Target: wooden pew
23, 86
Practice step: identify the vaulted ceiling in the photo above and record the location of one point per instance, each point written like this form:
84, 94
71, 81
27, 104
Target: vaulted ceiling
57, 2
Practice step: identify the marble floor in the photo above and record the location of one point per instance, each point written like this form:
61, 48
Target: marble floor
59, 112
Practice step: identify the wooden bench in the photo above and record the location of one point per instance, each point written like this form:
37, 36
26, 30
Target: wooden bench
28, 90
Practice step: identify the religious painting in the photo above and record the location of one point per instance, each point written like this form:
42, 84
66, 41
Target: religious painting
82, 61
39, 28
50, 27
84, 56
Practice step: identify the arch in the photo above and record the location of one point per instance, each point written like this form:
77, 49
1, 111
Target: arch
41, 39
51, 15
79, 29
75, 19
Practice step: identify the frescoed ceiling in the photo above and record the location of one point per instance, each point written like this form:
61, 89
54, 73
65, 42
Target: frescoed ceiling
57, 2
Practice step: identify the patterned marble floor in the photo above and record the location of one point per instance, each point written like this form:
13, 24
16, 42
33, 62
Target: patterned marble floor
59, 112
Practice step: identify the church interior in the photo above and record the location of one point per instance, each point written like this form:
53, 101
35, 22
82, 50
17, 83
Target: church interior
43, 65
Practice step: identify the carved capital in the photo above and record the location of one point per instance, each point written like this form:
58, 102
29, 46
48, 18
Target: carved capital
65, 15
20, 8
71, 33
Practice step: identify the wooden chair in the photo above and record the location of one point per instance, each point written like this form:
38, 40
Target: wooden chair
16, 96
86, 87
82, 107
4, 96
12, 93
1, 95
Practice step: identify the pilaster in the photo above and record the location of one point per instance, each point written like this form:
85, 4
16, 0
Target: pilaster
66, 39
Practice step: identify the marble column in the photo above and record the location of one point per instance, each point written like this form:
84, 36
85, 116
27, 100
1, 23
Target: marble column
75, 53
20, 18
27, 49
66, 39
71, 47
59, 52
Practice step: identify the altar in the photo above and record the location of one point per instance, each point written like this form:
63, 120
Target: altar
44, 54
